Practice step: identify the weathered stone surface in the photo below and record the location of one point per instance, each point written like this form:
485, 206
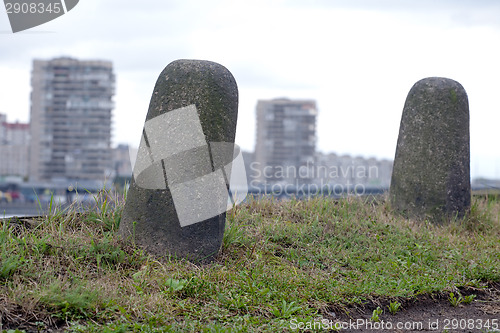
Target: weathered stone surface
149, 215
431, 174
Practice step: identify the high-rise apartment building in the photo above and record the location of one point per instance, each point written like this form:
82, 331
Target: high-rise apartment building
71, 104
286, 141
122, 163
14, 144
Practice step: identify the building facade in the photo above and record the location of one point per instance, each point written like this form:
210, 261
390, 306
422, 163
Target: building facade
347, 172
71, 114
14, 143
285, 141
122, 160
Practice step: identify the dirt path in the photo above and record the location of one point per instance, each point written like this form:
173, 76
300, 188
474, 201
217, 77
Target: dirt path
431, 314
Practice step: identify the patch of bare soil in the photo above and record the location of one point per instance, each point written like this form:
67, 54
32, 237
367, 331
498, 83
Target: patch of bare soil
427, 314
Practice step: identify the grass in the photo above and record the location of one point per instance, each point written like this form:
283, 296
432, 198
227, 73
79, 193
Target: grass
279, 260
394, 307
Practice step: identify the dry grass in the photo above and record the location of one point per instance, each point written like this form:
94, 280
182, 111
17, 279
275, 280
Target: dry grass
279, 259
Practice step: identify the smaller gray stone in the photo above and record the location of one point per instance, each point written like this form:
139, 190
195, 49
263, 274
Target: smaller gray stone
431, 174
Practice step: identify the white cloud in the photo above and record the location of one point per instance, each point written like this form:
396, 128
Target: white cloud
357, 59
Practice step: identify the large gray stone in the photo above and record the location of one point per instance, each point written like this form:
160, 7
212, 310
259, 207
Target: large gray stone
431, 174
174, 150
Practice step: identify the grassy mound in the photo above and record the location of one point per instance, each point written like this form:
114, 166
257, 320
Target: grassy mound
280, 260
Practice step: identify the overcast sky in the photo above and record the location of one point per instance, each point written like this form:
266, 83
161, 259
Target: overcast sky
357, 59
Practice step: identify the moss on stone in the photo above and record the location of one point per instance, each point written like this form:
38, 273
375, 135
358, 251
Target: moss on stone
453, 96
